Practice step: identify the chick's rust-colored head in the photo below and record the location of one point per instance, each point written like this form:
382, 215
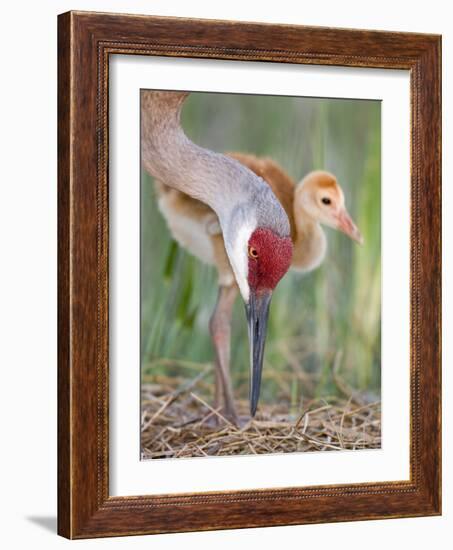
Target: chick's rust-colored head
321, 197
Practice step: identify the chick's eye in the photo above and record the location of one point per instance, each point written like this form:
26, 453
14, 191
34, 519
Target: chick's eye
253, 253
326, 200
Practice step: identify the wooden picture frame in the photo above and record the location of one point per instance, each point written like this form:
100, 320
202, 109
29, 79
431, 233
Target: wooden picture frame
85, 42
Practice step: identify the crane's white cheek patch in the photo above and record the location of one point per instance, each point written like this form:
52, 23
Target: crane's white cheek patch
237, 252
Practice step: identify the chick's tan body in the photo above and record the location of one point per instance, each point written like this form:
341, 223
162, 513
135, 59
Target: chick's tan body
195, 226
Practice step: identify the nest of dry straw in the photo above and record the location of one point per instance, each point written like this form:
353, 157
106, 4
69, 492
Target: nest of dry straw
179, 421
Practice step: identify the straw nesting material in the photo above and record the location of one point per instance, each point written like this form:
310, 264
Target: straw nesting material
178, 420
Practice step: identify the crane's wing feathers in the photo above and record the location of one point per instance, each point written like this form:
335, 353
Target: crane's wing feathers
270, 171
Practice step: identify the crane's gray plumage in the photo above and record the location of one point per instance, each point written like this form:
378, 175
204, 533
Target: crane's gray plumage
235, 193
242, 201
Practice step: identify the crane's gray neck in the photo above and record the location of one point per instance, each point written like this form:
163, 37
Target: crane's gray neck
234, 192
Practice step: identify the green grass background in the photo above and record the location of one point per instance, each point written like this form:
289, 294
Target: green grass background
333, 312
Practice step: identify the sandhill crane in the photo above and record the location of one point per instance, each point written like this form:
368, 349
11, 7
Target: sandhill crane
254, 225
317, 199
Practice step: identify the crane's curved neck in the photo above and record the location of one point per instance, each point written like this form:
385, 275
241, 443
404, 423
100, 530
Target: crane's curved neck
170, 156
310, 245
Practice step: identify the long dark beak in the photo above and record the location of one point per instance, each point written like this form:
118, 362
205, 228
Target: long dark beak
257, 314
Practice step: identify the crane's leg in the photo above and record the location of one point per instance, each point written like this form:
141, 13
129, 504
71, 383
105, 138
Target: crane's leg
220, 327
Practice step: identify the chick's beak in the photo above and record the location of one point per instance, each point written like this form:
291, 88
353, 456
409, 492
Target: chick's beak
257, 310
348, 227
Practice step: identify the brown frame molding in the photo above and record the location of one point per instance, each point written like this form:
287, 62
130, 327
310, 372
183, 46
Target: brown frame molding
85, 42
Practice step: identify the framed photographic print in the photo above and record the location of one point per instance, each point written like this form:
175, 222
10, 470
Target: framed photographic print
249, 275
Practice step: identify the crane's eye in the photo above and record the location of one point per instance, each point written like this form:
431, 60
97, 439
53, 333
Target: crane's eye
326, 200
253, 253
